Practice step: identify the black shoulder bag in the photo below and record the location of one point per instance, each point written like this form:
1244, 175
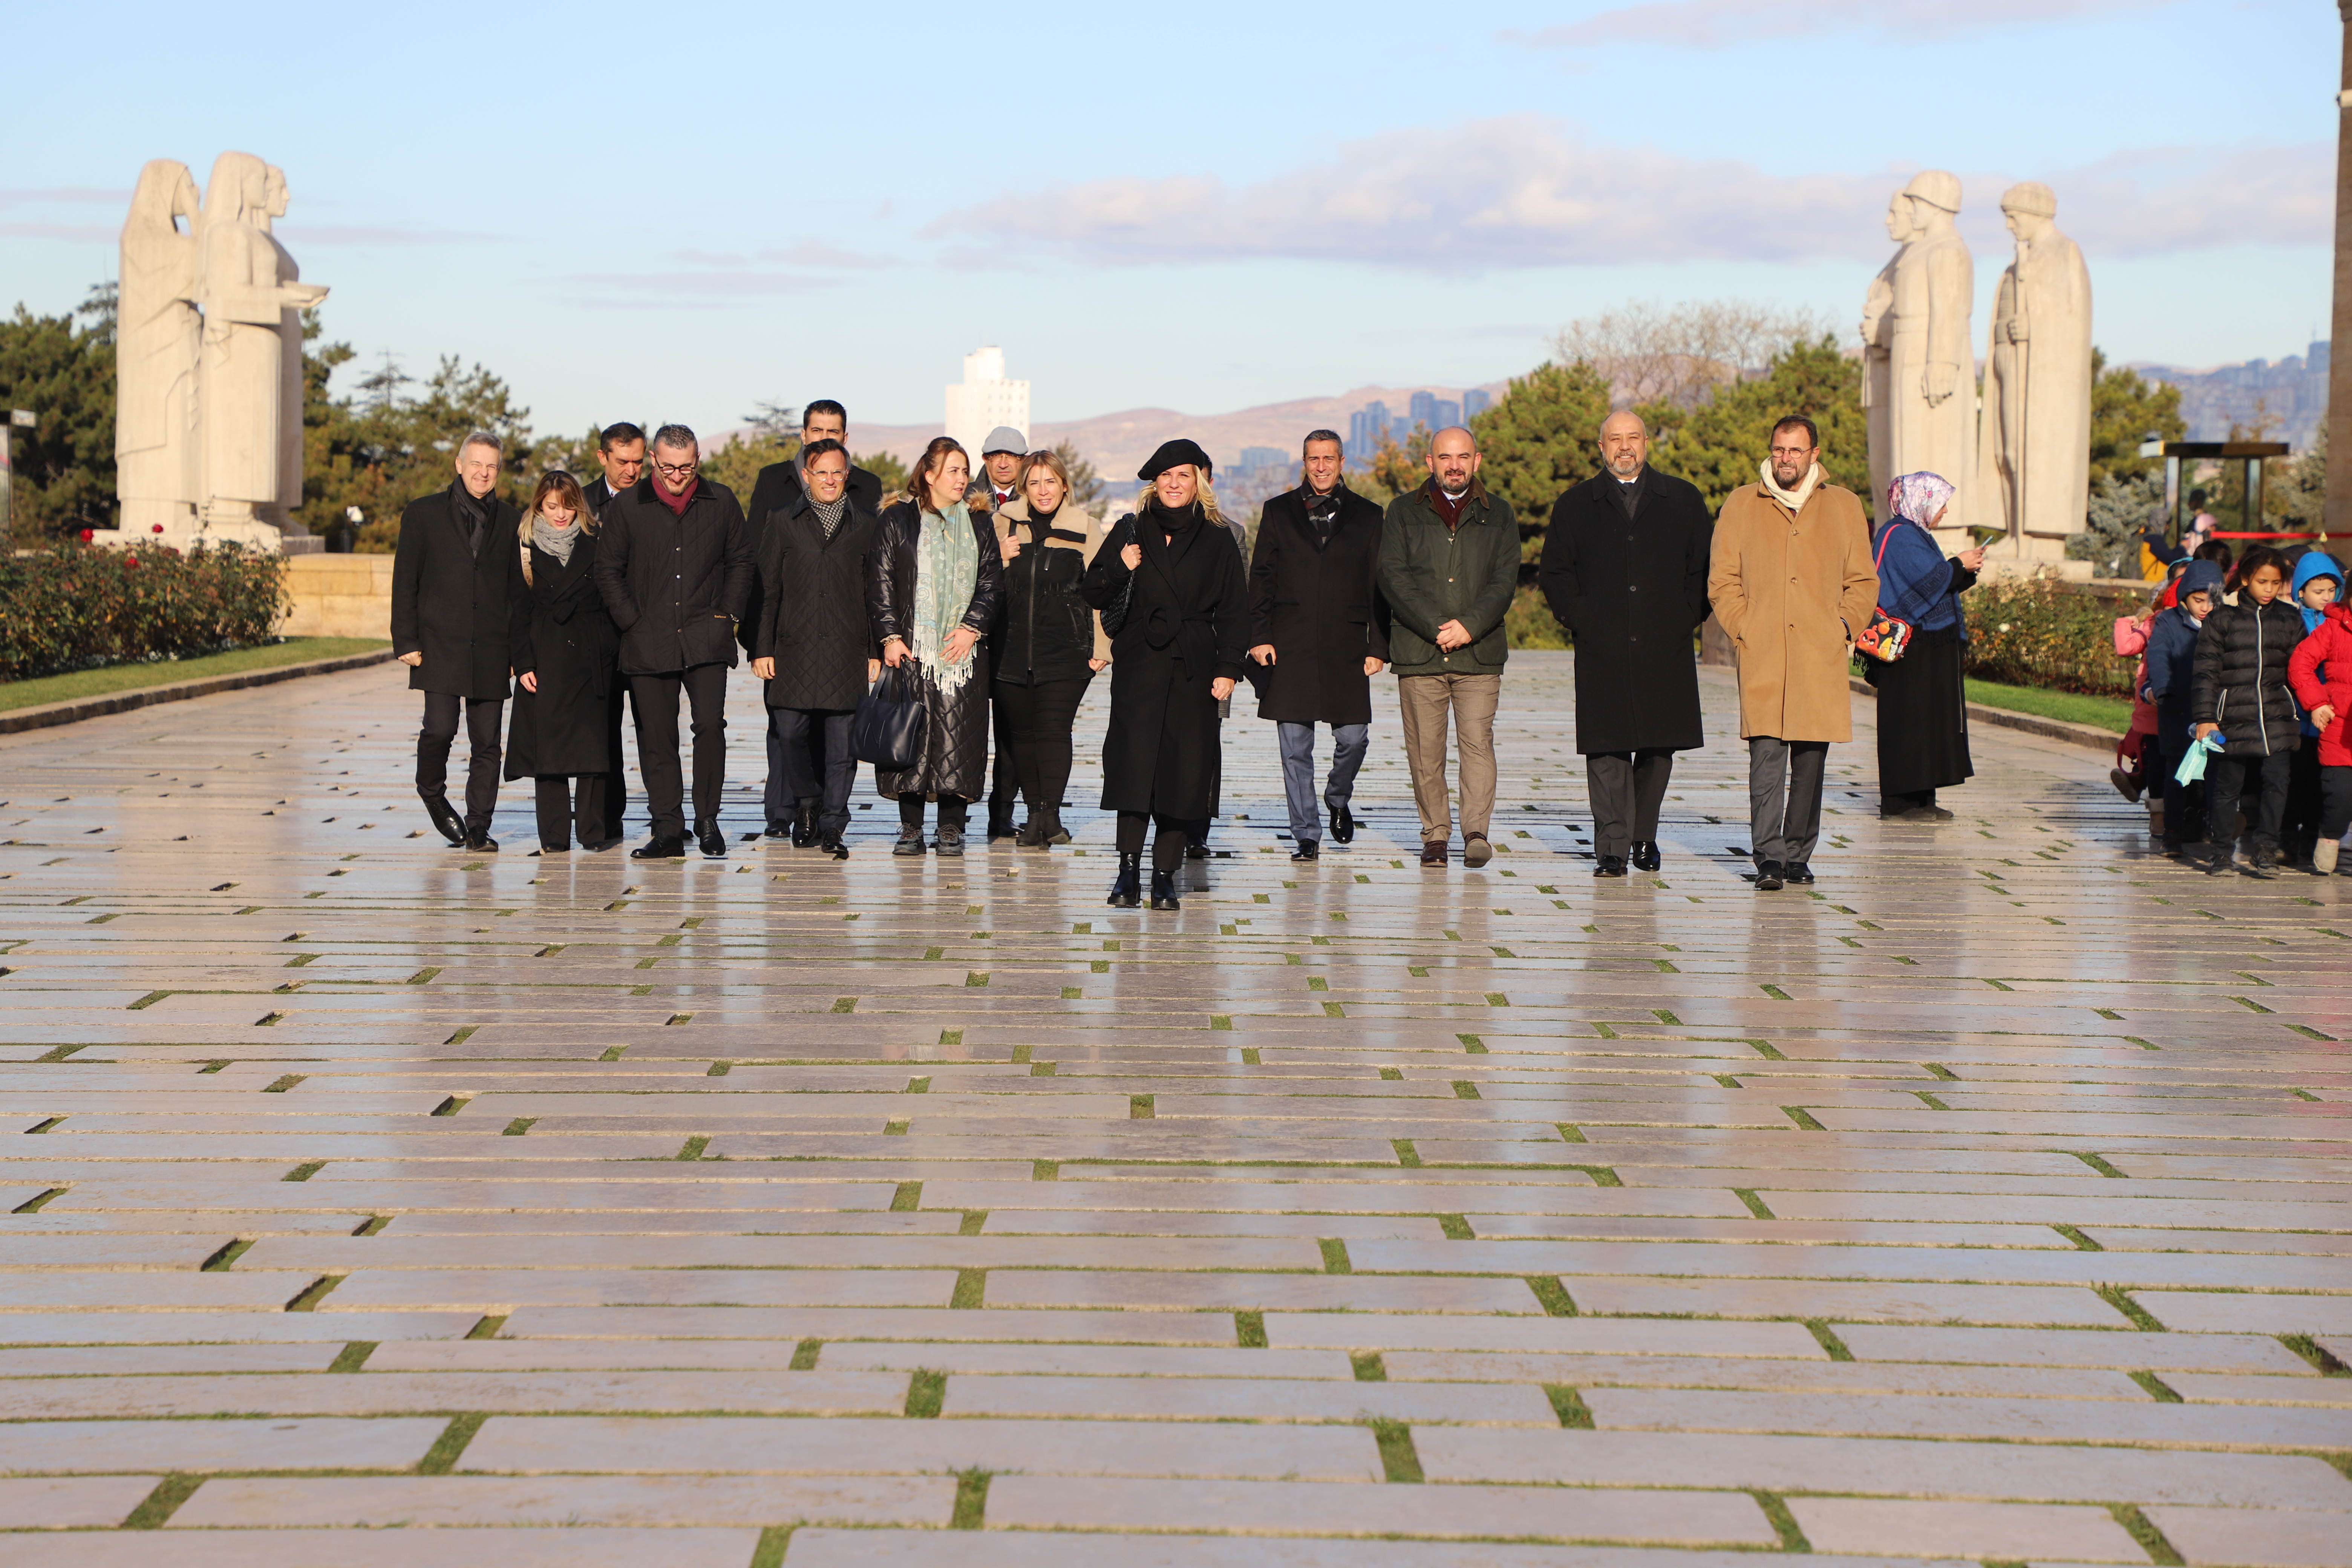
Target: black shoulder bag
1116, 616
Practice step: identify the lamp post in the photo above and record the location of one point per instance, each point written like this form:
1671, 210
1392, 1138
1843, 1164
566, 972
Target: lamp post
17, 417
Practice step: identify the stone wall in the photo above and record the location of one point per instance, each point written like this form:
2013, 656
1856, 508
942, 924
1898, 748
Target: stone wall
338, 596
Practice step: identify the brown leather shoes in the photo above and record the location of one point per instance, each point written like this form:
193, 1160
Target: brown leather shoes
1434, 852
1476, 850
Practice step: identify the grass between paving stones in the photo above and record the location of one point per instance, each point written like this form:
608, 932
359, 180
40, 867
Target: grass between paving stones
926, 1392
113, 678
2151, 1540
156, 1508
1557, 1303
1827, 1338
1368, 1367
2142, 1319
352, 1356
1784, 1524
970, 1511
2157, 1389
442, 1457
2317, 1354
1249, 1331
1400, 1461
773, 1540
1569, 1406
804, 1355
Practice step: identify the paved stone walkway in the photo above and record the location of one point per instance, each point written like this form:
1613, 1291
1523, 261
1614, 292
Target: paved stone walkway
1985, 1203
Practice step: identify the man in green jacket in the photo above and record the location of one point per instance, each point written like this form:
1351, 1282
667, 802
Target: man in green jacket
1449, 565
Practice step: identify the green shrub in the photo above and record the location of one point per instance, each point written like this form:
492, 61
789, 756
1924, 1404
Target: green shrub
1528, 622
77, 606
2034, 631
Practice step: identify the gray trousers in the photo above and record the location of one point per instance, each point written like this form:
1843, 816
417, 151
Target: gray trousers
1784, 798
1348, 744
1626, 789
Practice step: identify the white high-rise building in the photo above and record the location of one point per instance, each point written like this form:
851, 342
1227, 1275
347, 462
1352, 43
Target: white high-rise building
984, 401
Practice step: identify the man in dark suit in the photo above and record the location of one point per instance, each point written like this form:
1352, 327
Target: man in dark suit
453, 577
1316, 633
812, 645
1624, 569
777, 492
674, 564
621, 448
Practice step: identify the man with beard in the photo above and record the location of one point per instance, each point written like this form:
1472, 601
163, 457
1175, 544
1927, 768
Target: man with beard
1792, 582
1624, 569
1449, 566
453, 575
1315, 632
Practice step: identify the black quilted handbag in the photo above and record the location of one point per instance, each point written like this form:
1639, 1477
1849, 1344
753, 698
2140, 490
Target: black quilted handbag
891, 722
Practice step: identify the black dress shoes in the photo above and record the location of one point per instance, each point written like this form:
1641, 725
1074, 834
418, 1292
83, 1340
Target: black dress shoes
831, 844
1610, 866
480, 844
1196, 851
1127, 890
1000, 827
779, 830
1308, 849
659, 849
804, 829
712, 842
1797, 874
444, 816
1768, 877
1645, 856
1164, 892
1343, 826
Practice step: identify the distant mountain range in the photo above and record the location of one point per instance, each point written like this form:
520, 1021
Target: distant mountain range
1116, 444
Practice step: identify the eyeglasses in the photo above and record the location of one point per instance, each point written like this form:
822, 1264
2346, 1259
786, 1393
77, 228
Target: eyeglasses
678, 470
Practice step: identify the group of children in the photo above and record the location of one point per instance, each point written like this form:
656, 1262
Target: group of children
2254, 665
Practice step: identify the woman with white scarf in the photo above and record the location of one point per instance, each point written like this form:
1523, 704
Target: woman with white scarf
932, 587
566, 730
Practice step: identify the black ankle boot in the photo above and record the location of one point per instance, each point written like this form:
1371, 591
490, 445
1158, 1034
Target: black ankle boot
1032, 832
1127, 892
1163, 890
1055, 832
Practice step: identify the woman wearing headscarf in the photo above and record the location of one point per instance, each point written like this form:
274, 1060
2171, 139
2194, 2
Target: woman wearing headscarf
1175, 586
1922, 718
932, 585
1051, 645
566, 730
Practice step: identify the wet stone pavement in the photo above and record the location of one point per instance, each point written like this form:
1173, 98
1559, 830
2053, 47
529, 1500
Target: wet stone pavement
1985, 1203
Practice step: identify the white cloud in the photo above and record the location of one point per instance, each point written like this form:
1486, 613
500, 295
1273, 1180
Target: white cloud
1525, 191
1712, 24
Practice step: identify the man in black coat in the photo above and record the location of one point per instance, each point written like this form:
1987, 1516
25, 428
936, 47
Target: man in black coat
621, 449
1314, 629
674, 564
453, 577
812, 646
776, 492
1624, 569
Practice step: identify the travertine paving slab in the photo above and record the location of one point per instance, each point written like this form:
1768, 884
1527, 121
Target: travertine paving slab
2192, 1312
1284, 1507
585, 1548
63, 1447
2260, 1540
70, 1502
2011, 1532
2074, 1347
1253, 1399
380, 1502
395, 1393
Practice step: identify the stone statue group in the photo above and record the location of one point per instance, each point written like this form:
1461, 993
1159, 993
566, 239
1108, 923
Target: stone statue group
2021, 462
208, 345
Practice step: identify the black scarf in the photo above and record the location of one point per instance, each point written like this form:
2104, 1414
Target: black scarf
1323, 511
473, 514
1176, 524
1629, 496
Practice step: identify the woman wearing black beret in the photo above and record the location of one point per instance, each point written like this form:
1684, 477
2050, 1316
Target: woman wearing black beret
1177, 574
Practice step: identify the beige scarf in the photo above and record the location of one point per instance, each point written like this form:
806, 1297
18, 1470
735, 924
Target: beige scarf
1794, 499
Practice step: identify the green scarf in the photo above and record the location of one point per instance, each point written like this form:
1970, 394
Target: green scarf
946, 569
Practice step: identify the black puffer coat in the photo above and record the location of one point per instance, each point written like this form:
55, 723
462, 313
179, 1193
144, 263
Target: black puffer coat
955, 760
1047, 632
2240, 676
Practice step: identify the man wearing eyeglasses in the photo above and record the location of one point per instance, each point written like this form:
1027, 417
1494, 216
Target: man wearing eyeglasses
674, 565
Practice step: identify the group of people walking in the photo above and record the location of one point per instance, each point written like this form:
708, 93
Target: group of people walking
997, 593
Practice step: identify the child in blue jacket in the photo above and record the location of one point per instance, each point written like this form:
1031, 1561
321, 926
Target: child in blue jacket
2171, 656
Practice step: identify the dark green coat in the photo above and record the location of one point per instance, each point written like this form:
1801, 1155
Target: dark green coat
1429, 576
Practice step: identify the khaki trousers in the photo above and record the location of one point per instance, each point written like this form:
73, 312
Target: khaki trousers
1424, 701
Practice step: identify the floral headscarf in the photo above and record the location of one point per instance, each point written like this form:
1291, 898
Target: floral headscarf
1918, 496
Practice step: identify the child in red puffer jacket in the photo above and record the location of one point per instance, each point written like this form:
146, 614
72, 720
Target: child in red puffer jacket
2320, 670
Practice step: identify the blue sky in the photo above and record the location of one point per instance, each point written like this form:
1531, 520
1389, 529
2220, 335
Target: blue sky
1200, 208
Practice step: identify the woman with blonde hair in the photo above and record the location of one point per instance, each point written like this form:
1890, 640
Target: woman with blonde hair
1175, 586
566, 731
933, 581
1050, 644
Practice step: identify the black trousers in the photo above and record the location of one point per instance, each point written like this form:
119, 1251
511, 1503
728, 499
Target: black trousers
1784, 798
2225, 781
953, 810
1167, 845
1626, 788
2184, 803
654, 698
570, 804
1007, 782
484, 716
2334, 801
813, 745
1037, 719
2299, 827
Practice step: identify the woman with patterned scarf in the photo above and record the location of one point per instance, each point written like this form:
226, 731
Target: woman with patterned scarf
932, 585
1923, 718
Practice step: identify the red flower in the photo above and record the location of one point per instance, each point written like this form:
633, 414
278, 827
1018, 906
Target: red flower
155, 528
131, 561
86, 535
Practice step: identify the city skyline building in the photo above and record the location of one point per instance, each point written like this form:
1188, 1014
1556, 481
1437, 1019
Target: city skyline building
985, 399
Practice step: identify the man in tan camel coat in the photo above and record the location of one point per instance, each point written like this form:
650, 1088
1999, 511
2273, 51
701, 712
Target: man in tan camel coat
1792, 582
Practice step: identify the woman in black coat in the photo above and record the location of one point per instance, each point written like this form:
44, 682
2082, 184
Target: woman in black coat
932, 585
1051, 643
566, 731
1175, 656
